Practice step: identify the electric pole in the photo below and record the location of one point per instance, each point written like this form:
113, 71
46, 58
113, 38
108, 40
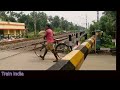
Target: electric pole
95, 30
86, 21
97, 15
88, 25
34, 16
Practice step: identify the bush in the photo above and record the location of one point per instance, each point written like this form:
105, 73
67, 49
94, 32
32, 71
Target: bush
106, 41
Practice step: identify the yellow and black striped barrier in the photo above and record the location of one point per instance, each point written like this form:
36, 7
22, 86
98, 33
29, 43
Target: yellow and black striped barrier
75, 58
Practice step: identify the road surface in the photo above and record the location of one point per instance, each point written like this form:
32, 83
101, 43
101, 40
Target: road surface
99, 62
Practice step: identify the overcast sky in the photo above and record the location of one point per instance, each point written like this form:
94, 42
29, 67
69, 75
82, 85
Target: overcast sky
77, 17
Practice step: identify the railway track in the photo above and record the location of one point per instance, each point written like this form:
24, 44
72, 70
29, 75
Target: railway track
21, 44
29, 47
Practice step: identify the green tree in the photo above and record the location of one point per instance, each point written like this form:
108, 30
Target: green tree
56, 22
3, 16
108, 22
41, 20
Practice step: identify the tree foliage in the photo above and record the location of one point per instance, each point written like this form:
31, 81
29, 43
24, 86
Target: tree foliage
38, 20
107, 24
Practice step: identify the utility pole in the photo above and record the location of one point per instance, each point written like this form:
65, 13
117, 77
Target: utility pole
95, 30
97, 15
86, 21
34, 16
88, 25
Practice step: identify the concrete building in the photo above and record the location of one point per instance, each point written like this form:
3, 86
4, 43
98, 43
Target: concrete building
11, 29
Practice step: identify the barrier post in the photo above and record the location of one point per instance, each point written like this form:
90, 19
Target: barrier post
85, 36
76, 38
70, 41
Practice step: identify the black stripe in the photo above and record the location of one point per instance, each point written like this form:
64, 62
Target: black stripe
84, 50
68, 66
62, 65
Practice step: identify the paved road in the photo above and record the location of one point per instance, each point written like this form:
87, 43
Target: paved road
27, 61
99, 62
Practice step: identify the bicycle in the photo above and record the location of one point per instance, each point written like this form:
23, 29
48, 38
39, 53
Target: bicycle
61, 48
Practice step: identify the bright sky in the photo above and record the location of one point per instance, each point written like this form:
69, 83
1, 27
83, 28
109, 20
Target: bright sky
77, 17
